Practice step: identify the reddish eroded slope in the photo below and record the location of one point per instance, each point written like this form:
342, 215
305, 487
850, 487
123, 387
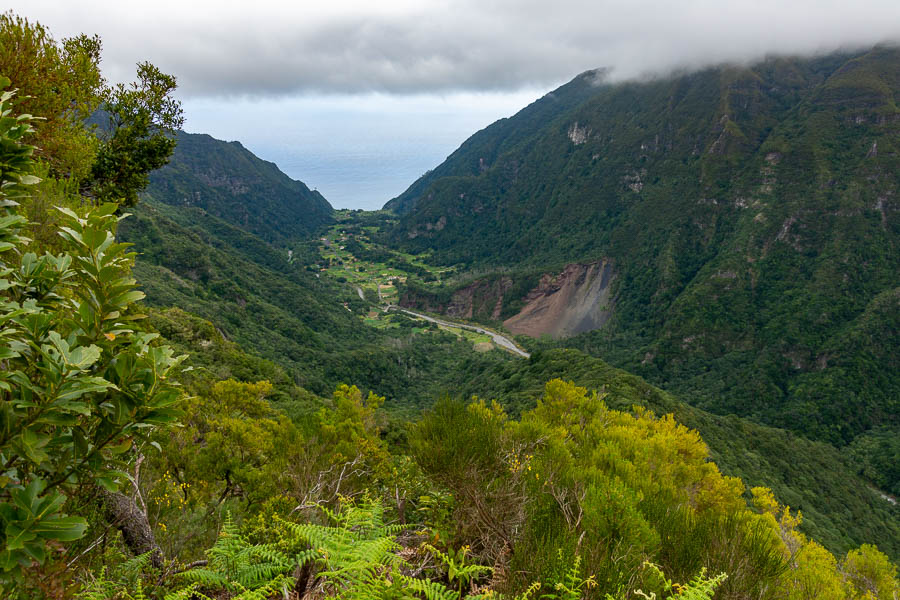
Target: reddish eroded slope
575, 301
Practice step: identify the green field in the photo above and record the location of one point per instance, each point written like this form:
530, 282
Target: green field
349, 254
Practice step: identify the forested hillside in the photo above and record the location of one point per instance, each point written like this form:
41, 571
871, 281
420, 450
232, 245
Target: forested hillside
229, 182
272, 300
181, 416
750, 215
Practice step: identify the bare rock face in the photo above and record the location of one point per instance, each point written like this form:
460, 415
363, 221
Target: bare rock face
578, 135
480, 299
572, 302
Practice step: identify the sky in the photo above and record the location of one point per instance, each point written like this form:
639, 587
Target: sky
358, 98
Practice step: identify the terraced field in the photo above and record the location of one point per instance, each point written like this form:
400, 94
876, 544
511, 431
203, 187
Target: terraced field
349, 254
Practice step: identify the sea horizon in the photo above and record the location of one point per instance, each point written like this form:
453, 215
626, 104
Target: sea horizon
358, 152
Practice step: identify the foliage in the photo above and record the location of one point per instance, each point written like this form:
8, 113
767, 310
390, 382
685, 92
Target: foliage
356, 556
215, 358
841, 511
753, 230
569, 498
573, 586
468, 451
348, 426
238, 452
119, 583
357, 553
251, 572
233, 444
614, 489
79, 385
458, 568
59, 81
231, 183
16, 162
877, 454
870, 573
700, 587
143, 120
281, 312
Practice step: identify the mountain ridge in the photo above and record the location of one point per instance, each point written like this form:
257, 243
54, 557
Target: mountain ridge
751, 214
226, 180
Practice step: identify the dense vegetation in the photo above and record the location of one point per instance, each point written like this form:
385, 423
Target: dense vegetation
280, 310
815, 478
179, 466
228, 181
750, 212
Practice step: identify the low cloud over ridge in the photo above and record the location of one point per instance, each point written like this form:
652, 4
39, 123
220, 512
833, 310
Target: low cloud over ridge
274, 49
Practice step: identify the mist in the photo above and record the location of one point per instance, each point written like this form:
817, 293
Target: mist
406, 47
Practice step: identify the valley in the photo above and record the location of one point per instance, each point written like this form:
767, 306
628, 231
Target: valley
639, 333
748, 235
350, 256
571, 312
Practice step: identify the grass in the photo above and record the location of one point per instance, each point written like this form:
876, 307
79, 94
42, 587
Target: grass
340, 264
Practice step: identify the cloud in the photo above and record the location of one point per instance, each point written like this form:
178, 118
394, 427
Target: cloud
267, 48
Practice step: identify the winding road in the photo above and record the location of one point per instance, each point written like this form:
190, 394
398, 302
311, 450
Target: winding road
500, 340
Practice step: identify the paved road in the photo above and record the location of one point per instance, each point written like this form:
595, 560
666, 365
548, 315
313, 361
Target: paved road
500, 340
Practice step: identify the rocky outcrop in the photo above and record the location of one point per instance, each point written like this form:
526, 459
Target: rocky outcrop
575, 301
578, 135
482, 299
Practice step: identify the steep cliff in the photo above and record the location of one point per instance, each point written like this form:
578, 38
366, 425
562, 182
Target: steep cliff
231, 183
574, 301
752, 214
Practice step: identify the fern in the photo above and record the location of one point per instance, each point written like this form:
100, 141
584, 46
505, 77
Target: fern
456, 567
526, 595
431, 590
356, 556
119, 585
253, 572
700, 587
573, 584
357, 553
187, 593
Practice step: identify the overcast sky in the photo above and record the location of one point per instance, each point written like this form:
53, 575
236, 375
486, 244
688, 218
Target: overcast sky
505, 52
408, 46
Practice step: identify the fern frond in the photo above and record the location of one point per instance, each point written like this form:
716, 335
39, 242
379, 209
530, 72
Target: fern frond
442, 556
135, 566
188, 593
280, 586
432, 590
209, 578
306, 556
529, 591
124, 578
98, 589
139, 593
702, 587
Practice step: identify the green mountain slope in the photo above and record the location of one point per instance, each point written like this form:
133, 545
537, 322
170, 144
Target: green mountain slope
278, 309
230, 182
751, 216
310, 332
483, 148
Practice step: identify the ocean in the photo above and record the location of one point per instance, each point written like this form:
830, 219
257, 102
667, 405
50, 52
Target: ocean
357, 151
